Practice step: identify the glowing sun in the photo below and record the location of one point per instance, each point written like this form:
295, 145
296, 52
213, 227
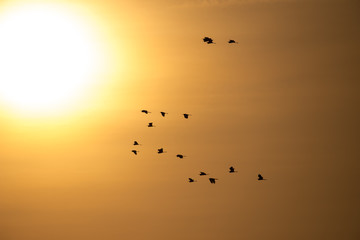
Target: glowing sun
49, 55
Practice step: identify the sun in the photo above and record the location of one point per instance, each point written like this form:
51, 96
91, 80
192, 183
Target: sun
49, 56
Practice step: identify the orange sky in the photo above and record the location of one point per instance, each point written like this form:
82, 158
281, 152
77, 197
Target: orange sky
282, 102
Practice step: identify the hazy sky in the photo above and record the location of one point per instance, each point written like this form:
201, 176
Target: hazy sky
283, 102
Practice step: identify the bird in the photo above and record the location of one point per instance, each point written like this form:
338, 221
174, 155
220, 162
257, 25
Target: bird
163, 114
203, 173
232, 169
145, 111
150, 124
135, 151
186, 115
160, 150
180, 156
260, 177
232, 41
136, 143
191, 180
212, 180
208, 40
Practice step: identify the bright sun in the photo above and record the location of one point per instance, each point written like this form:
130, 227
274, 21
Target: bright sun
49, 55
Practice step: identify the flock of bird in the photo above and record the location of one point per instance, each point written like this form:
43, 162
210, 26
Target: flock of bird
181, 156
211, 41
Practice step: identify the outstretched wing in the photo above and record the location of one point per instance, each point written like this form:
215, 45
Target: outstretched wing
207, 39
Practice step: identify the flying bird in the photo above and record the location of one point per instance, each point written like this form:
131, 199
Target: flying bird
160, 150
208, 40
180, 156
135, 151
231, 169
163, 114
212, 180
145, 111
186, 115
191, 180
232, 41
260, 177
136, 143
203, 173
150, 124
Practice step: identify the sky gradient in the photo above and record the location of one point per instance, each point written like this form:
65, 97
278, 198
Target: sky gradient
282, 102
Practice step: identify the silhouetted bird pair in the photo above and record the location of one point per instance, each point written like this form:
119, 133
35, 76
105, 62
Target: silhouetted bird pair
211, 41
212, 180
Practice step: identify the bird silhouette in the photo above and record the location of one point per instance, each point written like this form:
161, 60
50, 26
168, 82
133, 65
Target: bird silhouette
180, 156
203, 173
160, 150
231, 169
232, 41
186, 115
135, 151
208, 40
136, 143
261, 177
150, 124
145, 111
212, 180
163, 114
191, 180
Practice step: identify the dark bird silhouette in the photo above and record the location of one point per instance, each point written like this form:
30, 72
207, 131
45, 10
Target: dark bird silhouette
145, 111
208, 40
180, 156
191, 180
260, 177
135, 151
160, 150
186, 115
212, 180
232, 41
136, 143
203, 173
163, 114
231, 169
150, 124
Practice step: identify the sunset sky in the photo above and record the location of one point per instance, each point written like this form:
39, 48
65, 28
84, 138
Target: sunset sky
283, 102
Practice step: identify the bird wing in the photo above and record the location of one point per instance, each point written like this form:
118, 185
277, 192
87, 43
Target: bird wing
206, 39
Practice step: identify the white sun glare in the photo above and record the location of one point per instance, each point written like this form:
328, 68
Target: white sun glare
48, 57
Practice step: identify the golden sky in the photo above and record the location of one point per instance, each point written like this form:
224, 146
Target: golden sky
282, 102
